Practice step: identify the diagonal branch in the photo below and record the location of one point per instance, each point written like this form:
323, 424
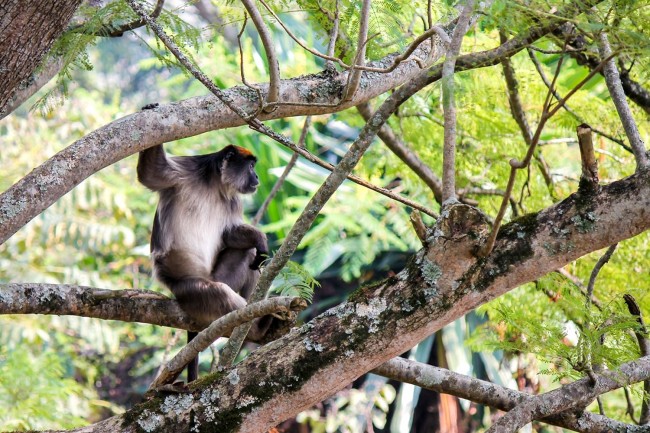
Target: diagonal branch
613, 80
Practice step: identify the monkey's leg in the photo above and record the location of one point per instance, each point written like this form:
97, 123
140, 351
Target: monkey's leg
204, 301
233, 267
193, 366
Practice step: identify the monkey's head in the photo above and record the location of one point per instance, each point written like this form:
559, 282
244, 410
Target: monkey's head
238, 169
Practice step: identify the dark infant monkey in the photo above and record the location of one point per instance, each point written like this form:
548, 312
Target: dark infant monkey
201, 248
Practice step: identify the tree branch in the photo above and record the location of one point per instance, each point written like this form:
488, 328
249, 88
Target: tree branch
449, 105
613, 80
487, 393
575, 395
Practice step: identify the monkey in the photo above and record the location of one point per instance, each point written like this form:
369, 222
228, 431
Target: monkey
201, 249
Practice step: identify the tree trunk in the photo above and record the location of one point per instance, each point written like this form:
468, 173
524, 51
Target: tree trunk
27, 31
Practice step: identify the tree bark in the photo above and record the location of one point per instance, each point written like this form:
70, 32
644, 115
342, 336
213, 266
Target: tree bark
27, 31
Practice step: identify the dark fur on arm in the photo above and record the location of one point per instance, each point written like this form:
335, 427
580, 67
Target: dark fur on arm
244, 237
154, 169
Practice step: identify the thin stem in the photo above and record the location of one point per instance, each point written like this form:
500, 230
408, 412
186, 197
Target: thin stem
334, 34
360, 58
448, 101
267, 41
517, 165
542, 75
594, 273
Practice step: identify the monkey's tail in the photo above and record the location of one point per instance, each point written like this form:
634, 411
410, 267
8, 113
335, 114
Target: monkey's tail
193, 366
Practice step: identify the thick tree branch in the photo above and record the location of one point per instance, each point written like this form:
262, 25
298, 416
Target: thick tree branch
18, 60
575, 395
487, 393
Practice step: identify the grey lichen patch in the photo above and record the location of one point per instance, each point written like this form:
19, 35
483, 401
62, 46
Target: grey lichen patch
13, 208
554, 248
233, 377
177, 404
246, 401
310, 345
430, 272
372, 311
149, 421
584, 223
136, 135
209, 396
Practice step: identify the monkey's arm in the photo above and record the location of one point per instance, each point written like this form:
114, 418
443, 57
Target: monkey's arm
155, 170
244, 237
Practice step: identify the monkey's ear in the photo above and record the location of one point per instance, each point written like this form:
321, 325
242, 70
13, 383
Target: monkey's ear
230, 152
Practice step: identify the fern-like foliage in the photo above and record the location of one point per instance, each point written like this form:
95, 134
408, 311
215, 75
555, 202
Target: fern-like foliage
295, 280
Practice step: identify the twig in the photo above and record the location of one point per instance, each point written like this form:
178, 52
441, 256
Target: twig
613, 80
644, 346
274, 68
519, 114
589, 176
448, 101
242, 72
630, 406
360, 58
334, 34
221, 326
409, 157
418, 226
594, 273
278, 184
540, 72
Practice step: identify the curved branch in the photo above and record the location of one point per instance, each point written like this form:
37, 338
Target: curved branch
220, 327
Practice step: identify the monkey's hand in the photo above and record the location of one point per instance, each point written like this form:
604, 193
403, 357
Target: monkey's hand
260, 256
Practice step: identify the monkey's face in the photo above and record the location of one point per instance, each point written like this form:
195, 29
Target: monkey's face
239, 174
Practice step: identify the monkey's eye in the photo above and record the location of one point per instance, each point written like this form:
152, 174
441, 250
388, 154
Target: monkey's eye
252, 165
